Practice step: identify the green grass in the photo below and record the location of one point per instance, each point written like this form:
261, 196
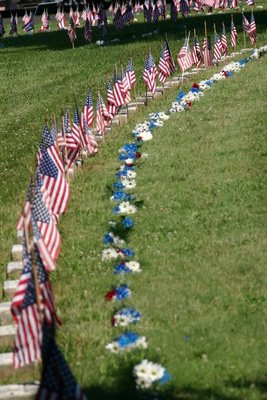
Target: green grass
200, 234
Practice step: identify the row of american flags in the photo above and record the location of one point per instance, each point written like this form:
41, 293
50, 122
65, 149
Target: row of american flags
121, 13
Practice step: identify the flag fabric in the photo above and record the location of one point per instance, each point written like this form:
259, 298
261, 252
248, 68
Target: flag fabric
207, 51
233, 35
156, 13
45, 21
217, 48
13, 25
184, 8
184, 57
28, 26
250, 2
88, 109
24, 308
91, 144
111, 101
102, 115
234, 4
72, 146
118, 90
52, 171
253, 30
130, 74
150, 73
76, 131
164, 70
148, 11
209, 3
125, 88
57, 380
128, 15
224, 41
197, 58
118, 20
245, 24
61, 19
71, 31
173, 11
169, 58
88, 33
196, 6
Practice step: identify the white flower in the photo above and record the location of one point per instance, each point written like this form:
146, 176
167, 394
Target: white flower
163, 116
121, 320
129, 184
131, 174
113, 347
134, 266
146, 136
129, 161
141, 343
109, 254
126, 208
142, 383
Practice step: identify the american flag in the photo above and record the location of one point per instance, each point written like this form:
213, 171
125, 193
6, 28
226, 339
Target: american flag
102, 115
164, 70
184, 8
184, 58
169, 58
46, 235
234, 4
118, 20
88, 31
196, 6
209, 3
53, 175
197, 58
125, 88
118, 90
57, 381
253, 30
28, 26
156, 13
71, 144
45, 21
88, 109
71, 31
224, 41
13, 25
128, 15
207, 51
233, 35
150, 73
76, 130
25, 311
217, 48
130, 74
91, 144
61, 19
148, 10
245, 24
174, 12
85, 14
250, 2
76, 18
111, 101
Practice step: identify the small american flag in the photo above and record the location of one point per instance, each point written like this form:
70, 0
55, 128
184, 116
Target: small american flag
111, 101
196, 6
28, 26
197, 58
209, 3
164, 70
150, 73
118, 20
128, 15
233, 35
148, 10
250, 2
71, 144
24, 308
169, 58
217, 48
118, 90
224, 41
125, 88
174, 12
245, 24
130, 74
234, 4
156, 13
207, 51
91, 144
45, 21
76, 131
13, 25
88, 30
57, 381
184, 57
71, 31
102, 115
253, 30
52, 171
88, 109
184, 7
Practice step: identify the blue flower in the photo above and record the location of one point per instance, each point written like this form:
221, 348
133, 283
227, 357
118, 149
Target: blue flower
180, 95
152, 125
121, 268
194, 90
127, 222
130, 147
128, 252
116, 210
122, 292
119, 195
107, 239
166, 377
127, 338
118, 185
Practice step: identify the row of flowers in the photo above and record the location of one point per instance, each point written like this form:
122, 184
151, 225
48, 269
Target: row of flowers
125, 206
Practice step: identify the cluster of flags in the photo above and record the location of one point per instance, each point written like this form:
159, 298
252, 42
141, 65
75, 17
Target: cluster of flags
250, 28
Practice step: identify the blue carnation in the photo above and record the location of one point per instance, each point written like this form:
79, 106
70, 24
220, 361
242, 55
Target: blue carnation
118, 185
180, 95
107, 239
120, 268
194, 90
128, 252
166, 377
116, 210
119, 195
122, 292
127, 338
127, 222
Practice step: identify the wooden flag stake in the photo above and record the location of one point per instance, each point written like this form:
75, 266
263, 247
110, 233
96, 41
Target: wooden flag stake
205, 27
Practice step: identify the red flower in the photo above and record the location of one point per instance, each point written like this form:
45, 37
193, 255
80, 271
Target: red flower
109, 295
196, 85
138, 154
113, 321
225, 74
139, 137
189, 104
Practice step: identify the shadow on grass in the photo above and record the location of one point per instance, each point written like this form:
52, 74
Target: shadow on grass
58, 40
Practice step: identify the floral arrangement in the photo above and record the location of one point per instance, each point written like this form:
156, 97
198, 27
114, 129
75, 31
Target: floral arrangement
148, 373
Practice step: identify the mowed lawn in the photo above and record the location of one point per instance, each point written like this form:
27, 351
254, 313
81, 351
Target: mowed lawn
200, 234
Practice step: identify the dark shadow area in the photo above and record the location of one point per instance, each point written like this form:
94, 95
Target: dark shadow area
59, 40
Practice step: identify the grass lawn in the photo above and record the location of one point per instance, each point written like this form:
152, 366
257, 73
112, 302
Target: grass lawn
200, 234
